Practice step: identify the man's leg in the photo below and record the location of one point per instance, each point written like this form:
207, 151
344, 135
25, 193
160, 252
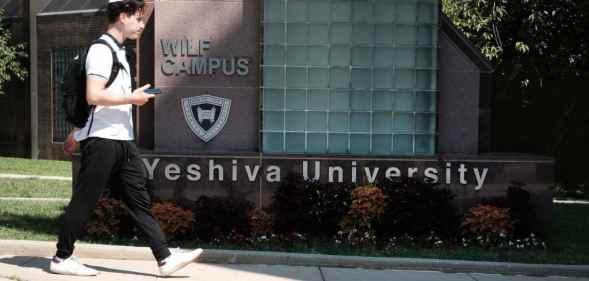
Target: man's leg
134, 193
98, 158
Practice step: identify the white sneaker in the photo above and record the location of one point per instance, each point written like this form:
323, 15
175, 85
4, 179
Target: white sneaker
177, 261
70, 266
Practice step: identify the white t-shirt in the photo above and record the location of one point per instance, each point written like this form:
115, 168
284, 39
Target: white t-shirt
110, 122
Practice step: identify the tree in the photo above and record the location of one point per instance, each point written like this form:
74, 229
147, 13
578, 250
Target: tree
10, 66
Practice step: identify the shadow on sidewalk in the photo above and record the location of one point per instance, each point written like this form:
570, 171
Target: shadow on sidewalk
43, 264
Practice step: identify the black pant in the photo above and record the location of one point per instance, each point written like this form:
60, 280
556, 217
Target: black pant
102, 161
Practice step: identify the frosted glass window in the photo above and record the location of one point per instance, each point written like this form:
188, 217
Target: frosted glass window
338, 122
274, 10
338, 143
341, 33
350, 76
295, 142
293, 121
274, 120
297, 11
273, 142
273, 99
273, 33
296, 77
318, 100
317, 143
339, 78
274, 77
360, 144
318, 56
296, 99
317, 121
297, 56
318, 34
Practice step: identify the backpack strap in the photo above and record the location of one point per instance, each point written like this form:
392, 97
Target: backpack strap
116, 67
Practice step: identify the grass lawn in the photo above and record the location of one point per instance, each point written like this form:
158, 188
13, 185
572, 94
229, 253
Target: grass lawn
567, 240
35, 167
35, 188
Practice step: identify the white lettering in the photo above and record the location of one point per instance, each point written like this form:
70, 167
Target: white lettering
215, 167
411, 172
150, 168
172, 172
273, 174
371, 176
306, 170
432, 173
340, 173
193, 171
252, 175
480, 178
462, 170
393, 172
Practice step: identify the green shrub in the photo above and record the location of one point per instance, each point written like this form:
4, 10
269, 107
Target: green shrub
219, 217
105, 220
175, 221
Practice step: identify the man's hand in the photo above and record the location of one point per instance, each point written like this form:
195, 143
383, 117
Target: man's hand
70, 145
139, 97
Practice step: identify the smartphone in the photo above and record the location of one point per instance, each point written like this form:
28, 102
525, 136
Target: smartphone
153, 91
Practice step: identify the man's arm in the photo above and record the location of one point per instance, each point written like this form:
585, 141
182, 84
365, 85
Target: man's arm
70, 145
96, 94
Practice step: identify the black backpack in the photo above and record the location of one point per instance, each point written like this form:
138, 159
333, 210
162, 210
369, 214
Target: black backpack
76, 107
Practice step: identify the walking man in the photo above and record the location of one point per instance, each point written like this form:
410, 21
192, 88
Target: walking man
107, 147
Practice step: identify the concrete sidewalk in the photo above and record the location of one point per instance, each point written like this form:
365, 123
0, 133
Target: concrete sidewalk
29, 261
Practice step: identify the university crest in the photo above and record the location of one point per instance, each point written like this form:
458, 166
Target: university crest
206, 115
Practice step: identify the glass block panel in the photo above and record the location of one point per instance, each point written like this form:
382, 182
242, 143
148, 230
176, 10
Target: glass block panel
383, 33
403, 144
338, 122
427, 13
404, 101
341, 10
296, 77
318, 77
317, 121
383, 78
319, 11
273, 55
361, 78
340, 100
273, 142
406, 34
316, 143
361, 56
405, 57
425, 101
361, 100
295, 142
403, 122
426, 80
382, 101
273, 33
362, 34
273, 120
273, 77
296, 99
295, 121
425, 123
339, 78
296, 56
360, 122
405, 79
382, 144
427, 35
318, 99
407, 13
384, 11
318, 56
383, 57
338, 143
341, 33
360, 143
273, 99
297, 11
425, 144
318, 34
382, 122
361, 11
296, 33
274, 10
340, 55
425, 58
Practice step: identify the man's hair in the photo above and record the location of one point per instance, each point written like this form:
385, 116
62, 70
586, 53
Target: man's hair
129, 7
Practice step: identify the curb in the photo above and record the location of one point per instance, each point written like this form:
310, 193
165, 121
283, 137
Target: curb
34, 177
46, 249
